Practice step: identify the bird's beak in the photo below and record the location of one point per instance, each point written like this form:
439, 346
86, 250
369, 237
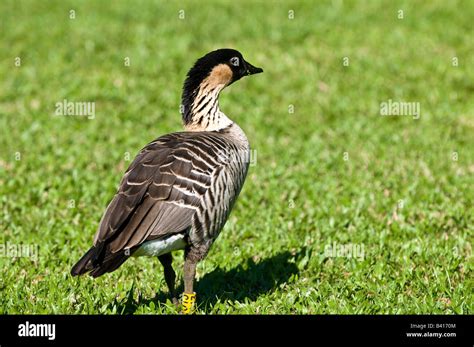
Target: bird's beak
252, 70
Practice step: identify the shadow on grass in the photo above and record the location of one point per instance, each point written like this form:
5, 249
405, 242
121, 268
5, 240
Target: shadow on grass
245, 282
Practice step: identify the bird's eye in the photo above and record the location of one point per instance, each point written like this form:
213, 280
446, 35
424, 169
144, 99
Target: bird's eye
234, 61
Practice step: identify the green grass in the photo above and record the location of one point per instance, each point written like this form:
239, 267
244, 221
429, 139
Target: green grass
399, 194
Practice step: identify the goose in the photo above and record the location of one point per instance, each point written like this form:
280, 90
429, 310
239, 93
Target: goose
180, 189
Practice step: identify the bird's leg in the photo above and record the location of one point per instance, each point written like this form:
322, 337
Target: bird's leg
170, 277
189, 297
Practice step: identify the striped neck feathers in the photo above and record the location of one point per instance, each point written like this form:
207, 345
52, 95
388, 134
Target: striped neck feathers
200, 104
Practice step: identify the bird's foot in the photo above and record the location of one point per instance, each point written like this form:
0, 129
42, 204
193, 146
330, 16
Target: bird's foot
188, 302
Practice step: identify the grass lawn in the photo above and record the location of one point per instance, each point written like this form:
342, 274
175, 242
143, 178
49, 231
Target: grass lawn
331, 172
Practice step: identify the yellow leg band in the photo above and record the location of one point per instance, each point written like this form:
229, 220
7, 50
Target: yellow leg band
188, 302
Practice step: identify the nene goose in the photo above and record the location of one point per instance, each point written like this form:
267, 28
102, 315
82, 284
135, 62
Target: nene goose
179, 190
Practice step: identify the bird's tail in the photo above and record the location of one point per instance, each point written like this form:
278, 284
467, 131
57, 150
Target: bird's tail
85, 264
98, 261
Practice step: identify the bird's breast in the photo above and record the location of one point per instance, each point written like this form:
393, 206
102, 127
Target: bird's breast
221, 196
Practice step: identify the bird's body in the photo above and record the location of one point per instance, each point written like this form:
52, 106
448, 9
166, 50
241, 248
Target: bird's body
211, 173
180, 189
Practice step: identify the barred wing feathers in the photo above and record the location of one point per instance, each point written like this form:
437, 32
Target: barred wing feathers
158, 196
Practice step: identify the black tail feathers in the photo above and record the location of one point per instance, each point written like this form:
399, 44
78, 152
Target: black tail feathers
85, 264
98, 261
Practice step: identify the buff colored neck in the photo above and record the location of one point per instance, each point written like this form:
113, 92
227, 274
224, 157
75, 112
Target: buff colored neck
205, 114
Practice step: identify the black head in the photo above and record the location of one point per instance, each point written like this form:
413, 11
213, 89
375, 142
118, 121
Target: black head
217, 69
225, 56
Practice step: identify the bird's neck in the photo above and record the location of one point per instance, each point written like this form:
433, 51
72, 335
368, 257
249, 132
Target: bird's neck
200, 102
